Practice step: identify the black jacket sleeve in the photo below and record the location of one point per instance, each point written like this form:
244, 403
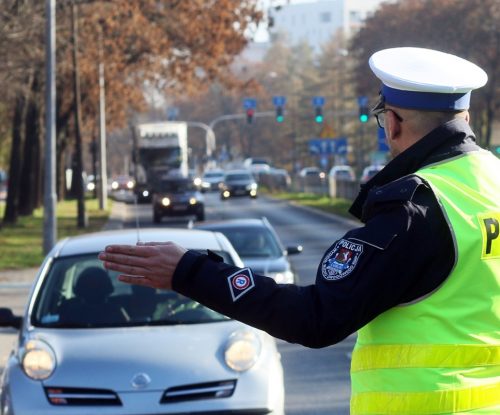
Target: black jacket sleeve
404, 252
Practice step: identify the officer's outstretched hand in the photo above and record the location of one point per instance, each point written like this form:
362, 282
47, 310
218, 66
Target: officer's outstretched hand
148, 263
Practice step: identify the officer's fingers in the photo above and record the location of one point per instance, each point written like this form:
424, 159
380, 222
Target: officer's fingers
132, 250
124, 264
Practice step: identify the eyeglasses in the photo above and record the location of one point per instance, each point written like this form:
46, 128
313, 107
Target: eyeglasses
380, 116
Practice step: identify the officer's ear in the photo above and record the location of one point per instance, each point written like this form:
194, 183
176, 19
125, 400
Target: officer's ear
393, 126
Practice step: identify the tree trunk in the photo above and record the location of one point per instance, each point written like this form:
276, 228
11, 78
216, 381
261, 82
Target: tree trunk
11, 209
31, 166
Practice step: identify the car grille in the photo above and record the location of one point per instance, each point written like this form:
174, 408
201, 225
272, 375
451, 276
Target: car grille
208, 390
82, 396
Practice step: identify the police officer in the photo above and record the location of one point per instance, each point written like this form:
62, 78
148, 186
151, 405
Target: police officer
419, 282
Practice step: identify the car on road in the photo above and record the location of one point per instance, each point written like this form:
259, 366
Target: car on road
238, 183
342, 172
177, 196
369, 172
259, 246
211, 180
89, 344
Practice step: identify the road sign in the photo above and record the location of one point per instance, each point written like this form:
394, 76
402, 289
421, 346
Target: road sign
249, 103
279, 101
318, 101
382, 142
326, 146
362, 101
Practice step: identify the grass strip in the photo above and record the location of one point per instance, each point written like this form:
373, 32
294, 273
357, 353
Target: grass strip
325, 203
21, 245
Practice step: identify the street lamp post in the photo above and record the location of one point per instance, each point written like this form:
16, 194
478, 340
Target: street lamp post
49, 215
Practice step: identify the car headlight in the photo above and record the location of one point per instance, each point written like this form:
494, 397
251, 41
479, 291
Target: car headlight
38, 360
145, 193
165, 201
193, 201
130, 184
283, 277
242, 350
114, 185
197, 181
90, 186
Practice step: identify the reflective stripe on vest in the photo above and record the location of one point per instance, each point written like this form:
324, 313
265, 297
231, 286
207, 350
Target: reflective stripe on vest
426, 403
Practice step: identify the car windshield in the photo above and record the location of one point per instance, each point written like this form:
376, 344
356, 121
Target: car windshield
78, 292
238, 177
213, 175
176, 186
252, 241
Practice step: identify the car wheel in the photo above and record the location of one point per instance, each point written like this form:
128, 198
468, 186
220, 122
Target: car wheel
156, 217
200, 216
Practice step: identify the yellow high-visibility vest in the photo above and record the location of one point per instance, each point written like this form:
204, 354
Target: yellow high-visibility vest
441, 354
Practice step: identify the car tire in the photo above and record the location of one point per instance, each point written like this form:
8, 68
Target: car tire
156, 217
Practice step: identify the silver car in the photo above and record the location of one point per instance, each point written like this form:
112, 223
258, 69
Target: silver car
259, 247
90, 344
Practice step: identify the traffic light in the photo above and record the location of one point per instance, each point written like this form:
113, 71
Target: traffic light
250, 113
279, 114
364, 113
318, 117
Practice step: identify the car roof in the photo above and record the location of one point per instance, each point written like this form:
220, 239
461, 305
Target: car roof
232, 223
96, 242
238, 171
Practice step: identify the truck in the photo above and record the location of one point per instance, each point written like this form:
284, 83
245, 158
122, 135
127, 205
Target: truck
160, 150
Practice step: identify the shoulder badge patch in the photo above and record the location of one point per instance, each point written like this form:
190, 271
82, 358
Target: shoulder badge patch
341, 260
240, 283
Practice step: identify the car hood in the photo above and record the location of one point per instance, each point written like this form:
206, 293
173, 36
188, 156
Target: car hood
169, 356
239, 183
264, 265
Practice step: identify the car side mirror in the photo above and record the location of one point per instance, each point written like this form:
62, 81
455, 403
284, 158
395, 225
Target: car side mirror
293, 250
8, 319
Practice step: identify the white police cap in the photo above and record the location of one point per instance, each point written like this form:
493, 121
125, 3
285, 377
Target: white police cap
426, 79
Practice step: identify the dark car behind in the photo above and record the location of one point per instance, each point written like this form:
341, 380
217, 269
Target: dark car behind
238, 183
177, 196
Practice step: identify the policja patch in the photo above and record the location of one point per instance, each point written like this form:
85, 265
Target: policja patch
341, 260
240, 283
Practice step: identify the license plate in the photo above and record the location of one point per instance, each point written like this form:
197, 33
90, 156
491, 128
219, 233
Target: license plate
178, 208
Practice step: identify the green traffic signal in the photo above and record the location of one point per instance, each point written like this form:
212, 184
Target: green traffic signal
318, 115
364, 113
279, 114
